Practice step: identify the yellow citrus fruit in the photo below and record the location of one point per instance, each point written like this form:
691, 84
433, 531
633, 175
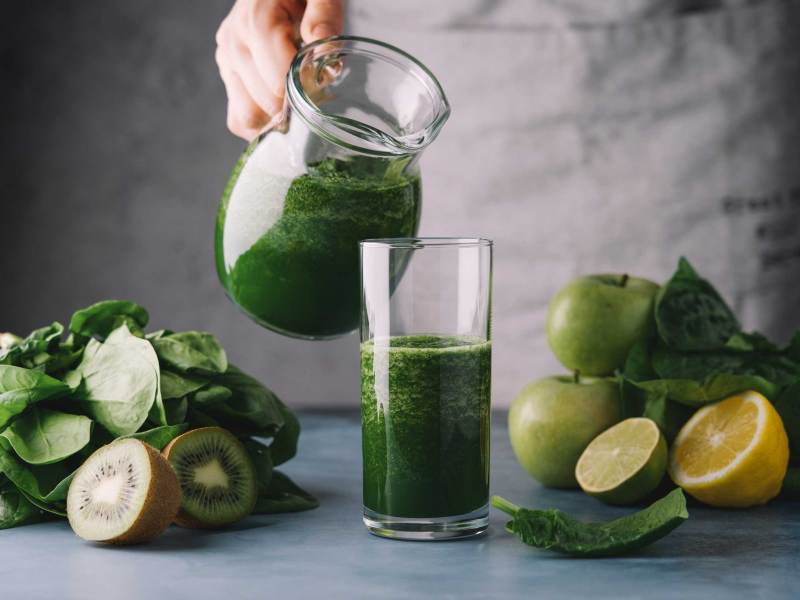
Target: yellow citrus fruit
733, 453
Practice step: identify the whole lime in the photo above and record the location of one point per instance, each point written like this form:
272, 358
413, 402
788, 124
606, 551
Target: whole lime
593, 321
552, 420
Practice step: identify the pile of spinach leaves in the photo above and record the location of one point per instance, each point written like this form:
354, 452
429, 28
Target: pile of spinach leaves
699, 354
63, 394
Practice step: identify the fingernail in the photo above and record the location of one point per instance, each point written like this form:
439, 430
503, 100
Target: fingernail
322, 30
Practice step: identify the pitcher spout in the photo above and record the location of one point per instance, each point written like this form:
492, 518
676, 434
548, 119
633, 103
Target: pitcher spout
367, 96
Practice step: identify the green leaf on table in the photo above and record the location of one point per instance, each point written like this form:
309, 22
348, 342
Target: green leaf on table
158, 437
262, 462
15, 508
788, 407
20, 388
191, 351
100, 319
557, 531
283, 495
284, 443
690, 313
120, 381
43, 436
253, 409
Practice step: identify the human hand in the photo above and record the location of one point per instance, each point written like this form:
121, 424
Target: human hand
256, 43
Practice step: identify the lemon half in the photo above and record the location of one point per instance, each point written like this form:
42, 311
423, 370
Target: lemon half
733, 453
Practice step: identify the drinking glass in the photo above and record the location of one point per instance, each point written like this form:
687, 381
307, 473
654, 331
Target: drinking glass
426, 386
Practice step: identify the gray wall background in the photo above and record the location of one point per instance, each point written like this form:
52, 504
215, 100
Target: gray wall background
644, 133
113, 156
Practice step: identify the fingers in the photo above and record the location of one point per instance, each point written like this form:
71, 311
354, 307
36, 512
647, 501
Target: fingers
255, 47
322, 18
270, 33
254, 50
245, 117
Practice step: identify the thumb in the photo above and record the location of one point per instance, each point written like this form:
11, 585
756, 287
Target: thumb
322, 18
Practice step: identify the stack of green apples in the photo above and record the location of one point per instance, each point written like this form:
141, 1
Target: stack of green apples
592, 324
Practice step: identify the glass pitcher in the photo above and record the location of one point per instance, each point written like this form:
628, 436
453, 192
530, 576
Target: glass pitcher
338, 165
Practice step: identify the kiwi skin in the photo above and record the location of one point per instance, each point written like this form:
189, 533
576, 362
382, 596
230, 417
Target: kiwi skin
161, 503
183, 518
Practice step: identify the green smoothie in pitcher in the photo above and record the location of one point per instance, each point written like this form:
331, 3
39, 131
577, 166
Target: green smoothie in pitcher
425, 403
287, 248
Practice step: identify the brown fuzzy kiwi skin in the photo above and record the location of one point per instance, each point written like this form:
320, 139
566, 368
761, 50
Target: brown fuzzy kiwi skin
183, 518
161, 503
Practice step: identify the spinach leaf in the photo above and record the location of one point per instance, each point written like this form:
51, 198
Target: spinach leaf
15, 509
211, 396
284, 444
639, 363
43, 484
155, 335
120, 381
774, 367
191, 351
555, 530
695, 394
283, 495
33, 350
174, 385
252, 409
262, 462
197, 418
668, 415
175, 390
690, 313
20, 388
176, 409
160, 436
100, 319
42, 436
788, 407
792, 351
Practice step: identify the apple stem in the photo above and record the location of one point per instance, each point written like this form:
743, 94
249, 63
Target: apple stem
624, 280
504, 505
576, 376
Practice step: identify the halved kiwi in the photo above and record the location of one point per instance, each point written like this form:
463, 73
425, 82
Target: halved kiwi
216, 476
125, 493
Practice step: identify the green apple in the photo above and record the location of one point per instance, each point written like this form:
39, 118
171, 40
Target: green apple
552, 420
594, 321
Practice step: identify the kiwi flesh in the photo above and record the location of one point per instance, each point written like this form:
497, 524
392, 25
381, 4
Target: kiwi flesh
124, 493
216, 475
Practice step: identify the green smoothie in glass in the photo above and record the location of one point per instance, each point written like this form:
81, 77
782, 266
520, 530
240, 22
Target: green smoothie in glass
425, 403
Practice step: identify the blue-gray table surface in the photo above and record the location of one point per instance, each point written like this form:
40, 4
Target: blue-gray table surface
328, 553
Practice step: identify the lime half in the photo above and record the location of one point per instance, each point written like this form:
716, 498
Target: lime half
624, 463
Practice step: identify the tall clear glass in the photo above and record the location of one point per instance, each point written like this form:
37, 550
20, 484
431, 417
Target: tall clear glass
426, 386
